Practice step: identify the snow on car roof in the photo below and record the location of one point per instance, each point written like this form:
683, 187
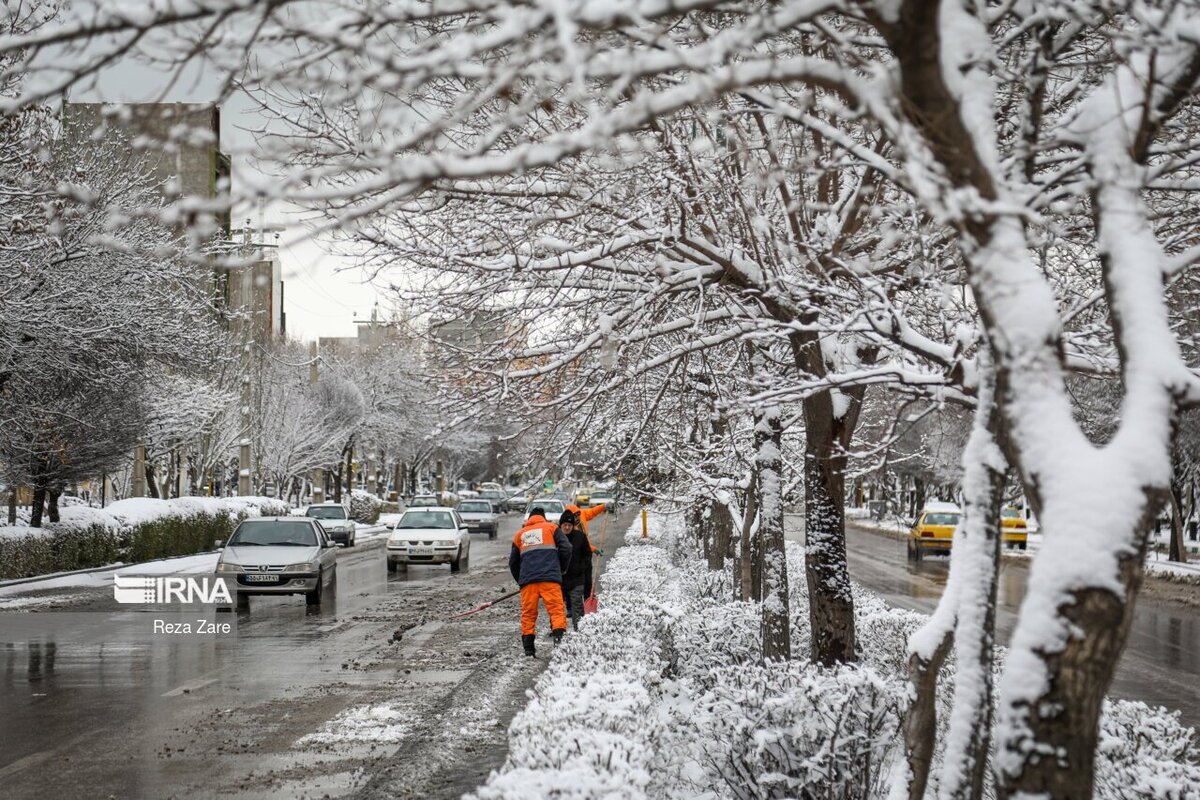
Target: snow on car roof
943, 507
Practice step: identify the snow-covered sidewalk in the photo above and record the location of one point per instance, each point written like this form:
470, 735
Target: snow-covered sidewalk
661, 694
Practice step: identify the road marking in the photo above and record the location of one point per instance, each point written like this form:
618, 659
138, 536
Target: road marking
191, 686
34, 759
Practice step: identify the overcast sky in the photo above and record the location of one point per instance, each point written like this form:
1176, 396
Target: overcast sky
322, 293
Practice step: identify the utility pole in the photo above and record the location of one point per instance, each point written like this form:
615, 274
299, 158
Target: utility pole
441, 480
244, 448
245, 307
137, 484
314, 376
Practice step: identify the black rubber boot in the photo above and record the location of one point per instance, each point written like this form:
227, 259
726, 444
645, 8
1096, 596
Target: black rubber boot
558, 634
527, 641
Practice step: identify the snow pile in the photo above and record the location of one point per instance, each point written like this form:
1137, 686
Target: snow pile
136, 529
661, 694
123, 515
381, 724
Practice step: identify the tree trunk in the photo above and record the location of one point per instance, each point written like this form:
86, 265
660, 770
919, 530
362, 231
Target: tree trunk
1177, 550
12, 505
39, 502
920, 718
772, 555
151, 484
968, 737
350, 468
1066, 716
721, 525
829, 423
831, 604
337, 483
743, 583
52, 496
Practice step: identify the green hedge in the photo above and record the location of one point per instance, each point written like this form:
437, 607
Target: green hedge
61, 551
97, 545
178, 536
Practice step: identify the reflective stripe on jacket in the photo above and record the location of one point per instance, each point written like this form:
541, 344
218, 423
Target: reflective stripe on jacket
540, 552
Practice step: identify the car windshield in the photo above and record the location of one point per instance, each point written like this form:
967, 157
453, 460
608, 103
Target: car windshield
475, 505
552, 508
425, 519
326, 512
941, 519
268, 532
1011, 513
424, 500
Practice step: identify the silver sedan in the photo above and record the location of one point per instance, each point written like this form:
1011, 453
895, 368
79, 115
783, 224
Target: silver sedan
279, 555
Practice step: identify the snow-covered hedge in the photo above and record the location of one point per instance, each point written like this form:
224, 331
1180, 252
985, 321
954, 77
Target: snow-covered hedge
661, 694
133, 530
365, 507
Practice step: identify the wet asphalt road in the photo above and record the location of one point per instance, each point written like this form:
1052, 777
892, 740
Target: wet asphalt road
257, 714
1161, 662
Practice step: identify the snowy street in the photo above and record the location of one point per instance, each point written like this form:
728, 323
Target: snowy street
298, 704
869, 330
1160, 665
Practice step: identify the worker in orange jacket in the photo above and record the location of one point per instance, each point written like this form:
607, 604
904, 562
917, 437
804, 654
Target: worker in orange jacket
584, 514
539, 556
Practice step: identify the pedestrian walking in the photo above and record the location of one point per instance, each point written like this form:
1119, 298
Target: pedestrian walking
577, 578
540, 555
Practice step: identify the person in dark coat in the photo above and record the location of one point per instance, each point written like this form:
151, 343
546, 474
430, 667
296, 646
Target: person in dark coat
540, 555
577, 578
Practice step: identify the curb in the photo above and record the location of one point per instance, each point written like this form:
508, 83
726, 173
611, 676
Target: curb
122, 564
113, 566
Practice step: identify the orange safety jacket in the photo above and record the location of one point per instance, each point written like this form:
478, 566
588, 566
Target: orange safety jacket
585, 514
540, 552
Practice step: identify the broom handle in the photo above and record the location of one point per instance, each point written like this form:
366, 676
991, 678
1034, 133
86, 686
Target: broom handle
603, 539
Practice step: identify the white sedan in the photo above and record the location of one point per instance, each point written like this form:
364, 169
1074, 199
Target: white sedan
429, 536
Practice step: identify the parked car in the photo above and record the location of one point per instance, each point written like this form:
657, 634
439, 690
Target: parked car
335, 519
933, 530
429, 536
279, 555
553, 508
1013, 530
480, 516
583, 497
424, 501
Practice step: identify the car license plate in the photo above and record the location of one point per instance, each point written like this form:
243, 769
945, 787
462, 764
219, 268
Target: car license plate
420, 551
262, 579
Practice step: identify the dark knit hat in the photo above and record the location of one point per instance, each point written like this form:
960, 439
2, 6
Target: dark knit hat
537, 511
568, 516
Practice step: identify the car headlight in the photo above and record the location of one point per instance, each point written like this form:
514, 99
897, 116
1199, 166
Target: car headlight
227, 568
305, 567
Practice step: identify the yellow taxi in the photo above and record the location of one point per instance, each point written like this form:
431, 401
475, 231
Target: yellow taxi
1014, 532
583, 498
934, 530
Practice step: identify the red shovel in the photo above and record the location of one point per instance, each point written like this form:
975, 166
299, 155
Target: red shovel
592, 604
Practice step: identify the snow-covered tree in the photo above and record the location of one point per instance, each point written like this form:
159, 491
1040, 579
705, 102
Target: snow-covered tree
1049, 144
